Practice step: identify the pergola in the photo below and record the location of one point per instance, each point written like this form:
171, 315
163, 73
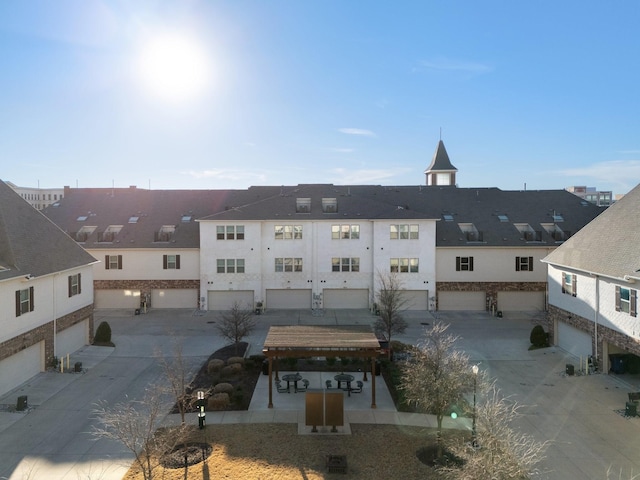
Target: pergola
294, 341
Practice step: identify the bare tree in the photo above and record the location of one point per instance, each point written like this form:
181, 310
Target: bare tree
437, 376
236, 324
135, 424
177, 376
501, 453
391, 302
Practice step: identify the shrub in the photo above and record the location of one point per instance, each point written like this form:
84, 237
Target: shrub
218, 401
233, 360
538, 336
214, 365
344, 360
331, 361
230, 370
103, 333
223, 388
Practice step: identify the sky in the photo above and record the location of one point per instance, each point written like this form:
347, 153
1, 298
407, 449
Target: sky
196, 94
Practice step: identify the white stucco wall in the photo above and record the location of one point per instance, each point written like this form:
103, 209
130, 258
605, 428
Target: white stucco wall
146, 264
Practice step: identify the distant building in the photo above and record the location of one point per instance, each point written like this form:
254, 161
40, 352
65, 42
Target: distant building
38, 198
590, 194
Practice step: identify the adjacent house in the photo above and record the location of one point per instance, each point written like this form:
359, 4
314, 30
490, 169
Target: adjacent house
46, 291
593, 285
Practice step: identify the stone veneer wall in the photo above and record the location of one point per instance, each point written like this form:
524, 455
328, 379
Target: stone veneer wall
605, 334
145, 286
491, 289
45, 332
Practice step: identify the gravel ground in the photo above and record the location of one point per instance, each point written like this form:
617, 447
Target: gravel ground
276, 451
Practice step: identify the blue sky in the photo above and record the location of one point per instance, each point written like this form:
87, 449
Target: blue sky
543, 94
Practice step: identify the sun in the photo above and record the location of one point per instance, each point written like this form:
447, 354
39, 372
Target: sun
173, 67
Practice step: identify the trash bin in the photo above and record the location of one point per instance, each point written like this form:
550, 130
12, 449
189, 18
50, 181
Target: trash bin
77, 367
265, 367
137, 312
617, 363
22, 404
631, 409
570, 369
377, 368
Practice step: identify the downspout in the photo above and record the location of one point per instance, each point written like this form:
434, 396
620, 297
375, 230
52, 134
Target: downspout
596, 314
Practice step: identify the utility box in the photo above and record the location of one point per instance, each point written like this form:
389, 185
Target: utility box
22, 404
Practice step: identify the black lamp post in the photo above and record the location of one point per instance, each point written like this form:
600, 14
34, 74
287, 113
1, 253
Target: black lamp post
201, 413
474, 438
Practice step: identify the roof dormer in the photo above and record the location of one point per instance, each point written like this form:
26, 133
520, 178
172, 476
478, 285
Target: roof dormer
441, 172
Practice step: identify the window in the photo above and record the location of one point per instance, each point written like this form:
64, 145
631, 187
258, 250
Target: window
569, 284
345, 232
288, 264
329, 205
230, 232
627, 301
24, 301
345, 264
113, 262
524, 264
74, 285
404, 265
83, 234
186, 218
303, 205
403, 232
109, 234
288, 232
165, 234
134, 219
230, 265
171, 262
447, 217
503, 218
464, 264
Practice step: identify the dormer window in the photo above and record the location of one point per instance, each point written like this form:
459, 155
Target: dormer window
329, 205
528, 233
470, 232
84, 233
109, 234
303, 205
556, 232
165, 234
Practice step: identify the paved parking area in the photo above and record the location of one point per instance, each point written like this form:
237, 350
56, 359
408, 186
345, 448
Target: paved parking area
578, 414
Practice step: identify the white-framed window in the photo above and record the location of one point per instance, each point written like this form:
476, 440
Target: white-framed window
230, 265
75, 286
569, 284
345, 264
345, 232
24, 301
464, 264
113, 262
303, 205
404, 232
524, 264
171, 262
627, 300
288, 232
229, 232
404, 265
287, 264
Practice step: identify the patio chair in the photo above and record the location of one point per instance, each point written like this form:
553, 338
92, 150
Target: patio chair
329, 385
280, 388
305, 385
358, 388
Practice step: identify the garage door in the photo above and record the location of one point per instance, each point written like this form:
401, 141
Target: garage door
73, 338
20, 367
117, 298
416, 299
289, 298
346, 298
225, 299
174, 298
573, 340
465, 301
521, 301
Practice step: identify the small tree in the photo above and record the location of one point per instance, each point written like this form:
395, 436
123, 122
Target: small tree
437, 375
236, 324
502, 453
176, 375
391, 302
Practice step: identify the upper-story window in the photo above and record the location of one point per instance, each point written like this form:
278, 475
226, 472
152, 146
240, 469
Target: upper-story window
109, 233
303, 205
230, 265
464, 264
569, 284
230, 232
113, 262
330, 205
524, 264
627, 301
288, 264
165, 234
403, 232
345, 264
24, 301
288, 232
75, 285
171, 262
404, 265
345, 232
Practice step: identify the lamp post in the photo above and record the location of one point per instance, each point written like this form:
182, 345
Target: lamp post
201, 412
474, 438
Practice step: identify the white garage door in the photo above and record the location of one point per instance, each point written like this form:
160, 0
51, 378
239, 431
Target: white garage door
416, 299
289, 298
117, 298
225, 299
465, 301
73, 338
174, 298
20, 367
574, 341
521, 301
346, 298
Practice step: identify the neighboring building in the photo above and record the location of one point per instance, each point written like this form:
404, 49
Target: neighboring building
590, 194
38, 198
593, 285
46, 290
321, 246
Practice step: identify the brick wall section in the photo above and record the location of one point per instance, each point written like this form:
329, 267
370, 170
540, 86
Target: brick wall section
145, 286
45, 332
491, 289
605, 334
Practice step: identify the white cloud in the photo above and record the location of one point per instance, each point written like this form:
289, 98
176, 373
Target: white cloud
357, 131
342, 150
620, 175
445, 64
222, 174
364, 176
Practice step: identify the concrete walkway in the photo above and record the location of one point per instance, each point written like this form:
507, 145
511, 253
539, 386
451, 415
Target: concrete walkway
579, 414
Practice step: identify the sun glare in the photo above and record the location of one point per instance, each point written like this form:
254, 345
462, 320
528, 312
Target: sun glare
173, 67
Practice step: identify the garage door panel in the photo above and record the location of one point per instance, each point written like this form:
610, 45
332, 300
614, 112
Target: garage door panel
72, 338
174, 298
346, 298
289, 298
225, 299
112, 298
416, 299
20, 367
573, 340
521, 301
464, 301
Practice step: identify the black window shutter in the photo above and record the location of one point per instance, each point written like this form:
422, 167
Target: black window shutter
70, 278
164, 262
633, 299
119, 262
79, 283
31, 300
177, 262
531, 264
617, 298
471, 264
517, 264
564, 284
574, 280
457, 264
106, 262
18, 310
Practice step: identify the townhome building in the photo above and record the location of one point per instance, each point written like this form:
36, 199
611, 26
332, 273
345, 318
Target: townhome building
593, 286
46, 291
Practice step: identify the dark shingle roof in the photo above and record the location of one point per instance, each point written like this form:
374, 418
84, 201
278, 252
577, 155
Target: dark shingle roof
30, 243
440, 160
609, 245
